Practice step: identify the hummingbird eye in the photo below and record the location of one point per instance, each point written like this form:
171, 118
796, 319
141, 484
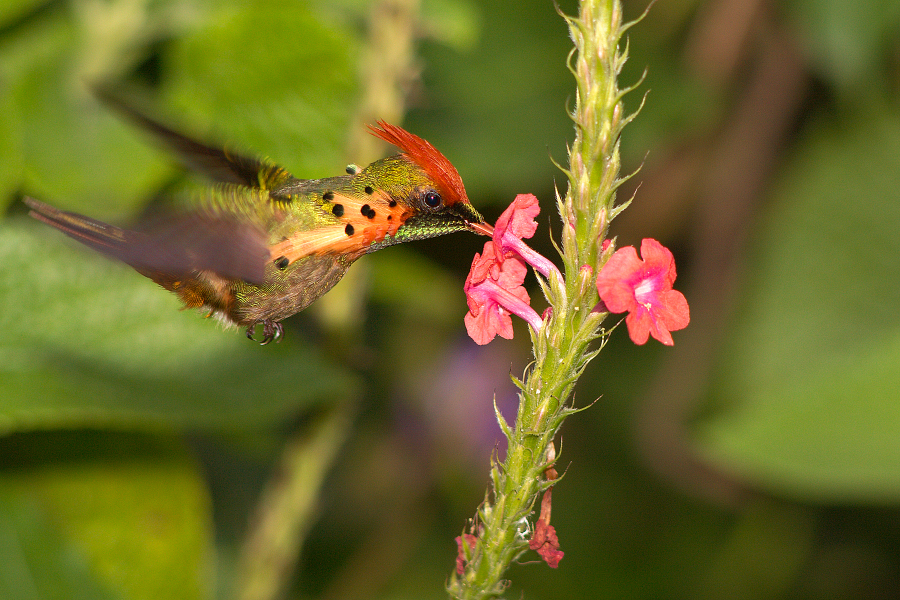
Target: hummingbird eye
432, 199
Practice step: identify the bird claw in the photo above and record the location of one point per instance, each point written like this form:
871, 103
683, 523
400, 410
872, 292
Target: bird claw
272, 331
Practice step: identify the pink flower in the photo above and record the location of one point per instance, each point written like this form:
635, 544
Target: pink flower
494, 291
517, 222
544, 539
643, 288
518, 219
467, 540
494, 287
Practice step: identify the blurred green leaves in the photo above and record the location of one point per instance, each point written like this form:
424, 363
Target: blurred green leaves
102, 516
89, 346
116, 351
58, 136
498, 121
810, 383
847, 41
129, 358
269, 76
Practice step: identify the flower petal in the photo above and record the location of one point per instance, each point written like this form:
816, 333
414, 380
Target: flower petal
643, 288
493, 292
518, 219
470, 541
658, 258
676, 314
545, 541
615, 281
488, 323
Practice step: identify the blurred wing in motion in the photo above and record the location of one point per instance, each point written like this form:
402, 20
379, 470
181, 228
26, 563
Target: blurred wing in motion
170, 245
215, 163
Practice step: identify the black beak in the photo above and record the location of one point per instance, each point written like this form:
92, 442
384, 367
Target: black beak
473, 219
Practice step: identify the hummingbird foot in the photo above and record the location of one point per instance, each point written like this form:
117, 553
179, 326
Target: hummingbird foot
272, 331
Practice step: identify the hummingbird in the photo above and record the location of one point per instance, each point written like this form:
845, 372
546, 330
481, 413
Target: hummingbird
261, 245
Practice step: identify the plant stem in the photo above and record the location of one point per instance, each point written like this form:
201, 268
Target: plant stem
561, 348
287, 507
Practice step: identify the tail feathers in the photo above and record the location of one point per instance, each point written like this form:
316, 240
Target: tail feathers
98, 235
170, 246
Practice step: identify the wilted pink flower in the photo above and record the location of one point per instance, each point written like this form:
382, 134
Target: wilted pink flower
470, 541
544, 539
643, 288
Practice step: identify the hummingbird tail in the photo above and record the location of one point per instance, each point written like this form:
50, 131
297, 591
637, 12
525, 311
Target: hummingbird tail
98, 235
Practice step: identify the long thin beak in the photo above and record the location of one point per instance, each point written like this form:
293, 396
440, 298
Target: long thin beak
473, 219
482, 228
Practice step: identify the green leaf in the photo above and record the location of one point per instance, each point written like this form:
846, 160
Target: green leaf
270, 77
11, 10
456, 23
846, 41
416, 288
11, 161
38, 564
76, 151
62, 144
89, 342
487, 130
99, 516
809, 386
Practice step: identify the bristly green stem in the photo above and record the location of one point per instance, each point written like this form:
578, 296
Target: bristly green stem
562, 348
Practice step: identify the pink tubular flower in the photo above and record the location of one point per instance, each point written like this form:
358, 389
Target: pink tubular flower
494, 291
494, 285
518, 219
643, 288
517, 222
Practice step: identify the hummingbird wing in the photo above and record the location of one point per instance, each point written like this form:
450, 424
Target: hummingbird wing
172, 245
218, 164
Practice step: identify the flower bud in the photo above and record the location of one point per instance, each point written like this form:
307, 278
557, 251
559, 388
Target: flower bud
586, 281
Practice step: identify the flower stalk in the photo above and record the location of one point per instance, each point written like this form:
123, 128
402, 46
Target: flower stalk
501, 532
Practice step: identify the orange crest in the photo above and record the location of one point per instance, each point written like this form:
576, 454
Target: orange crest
428, 157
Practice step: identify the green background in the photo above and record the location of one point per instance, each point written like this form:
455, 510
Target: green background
758, 458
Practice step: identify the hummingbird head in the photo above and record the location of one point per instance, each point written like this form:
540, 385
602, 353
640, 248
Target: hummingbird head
429, 184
